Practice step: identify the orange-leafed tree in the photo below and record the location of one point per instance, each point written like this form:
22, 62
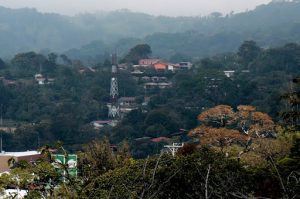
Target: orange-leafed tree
222, 126
220, 137
254, 123
219, 116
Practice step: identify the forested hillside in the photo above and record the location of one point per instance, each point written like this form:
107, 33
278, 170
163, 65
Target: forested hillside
26, 29
75, 95
193, 37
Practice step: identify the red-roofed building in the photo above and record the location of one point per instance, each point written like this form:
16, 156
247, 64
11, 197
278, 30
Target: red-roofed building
160, 139
148, 62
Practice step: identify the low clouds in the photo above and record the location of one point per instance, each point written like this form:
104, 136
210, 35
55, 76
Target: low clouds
157, 7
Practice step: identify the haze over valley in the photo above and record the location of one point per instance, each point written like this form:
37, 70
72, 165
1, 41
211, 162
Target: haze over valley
92, 36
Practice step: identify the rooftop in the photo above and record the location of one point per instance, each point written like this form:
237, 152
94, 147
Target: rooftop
19, 154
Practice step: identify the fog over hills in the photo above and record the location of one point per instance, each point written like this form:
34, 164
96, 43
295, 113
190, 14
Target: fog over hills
91, 36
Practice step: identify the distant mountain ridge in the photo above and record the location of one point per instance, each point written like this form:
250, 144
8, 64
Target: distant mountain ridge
27, 29
270, 25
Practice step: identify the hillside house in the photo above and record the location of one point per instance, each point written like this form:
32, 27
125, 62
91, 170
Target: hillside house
161, 85
185, 65
8, 129
229, 73
137, 72
98, 124
40, 79
29, 156
171, 67
86, 70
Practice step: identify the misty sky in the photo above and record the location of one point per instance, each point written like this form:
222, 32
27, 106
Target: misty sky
157, 7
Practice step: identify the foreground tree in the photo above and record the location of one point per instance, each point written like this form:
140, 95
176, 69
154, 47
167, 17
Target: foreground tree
233, 132
248, 51
96, 159
245, 121
203, 174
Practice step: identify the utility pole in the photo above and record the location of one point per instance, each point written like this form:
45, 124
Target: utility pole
174, 148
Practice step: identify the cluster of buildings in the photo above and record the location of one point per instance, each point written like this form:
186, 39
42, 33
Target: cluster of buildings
160, 65
154, 73
151, 73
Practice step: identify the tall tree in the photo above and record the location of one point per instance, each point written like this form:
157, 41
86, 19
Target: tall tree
248, 51
221, 126
254, 123
219, 116
2, 64
140, 51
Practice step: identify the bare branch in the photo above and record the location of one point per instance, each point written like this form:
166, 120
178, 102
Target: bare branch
278, 175
206, 182
155, 169
111, 189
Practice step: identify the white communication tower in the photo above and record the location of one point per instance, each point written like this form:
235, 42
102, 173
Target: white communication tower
113, 106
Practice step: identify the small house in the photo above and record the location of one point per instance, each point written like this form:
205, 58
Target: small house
40, 79
229, 73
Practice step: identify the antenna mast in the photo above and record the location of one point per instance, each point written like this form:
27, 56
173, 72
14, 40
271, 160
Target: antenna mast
113, 106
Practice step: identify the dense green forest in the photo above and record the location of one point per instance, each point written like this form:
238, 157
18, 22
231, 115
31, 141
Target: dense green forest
77, 95
90, 37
